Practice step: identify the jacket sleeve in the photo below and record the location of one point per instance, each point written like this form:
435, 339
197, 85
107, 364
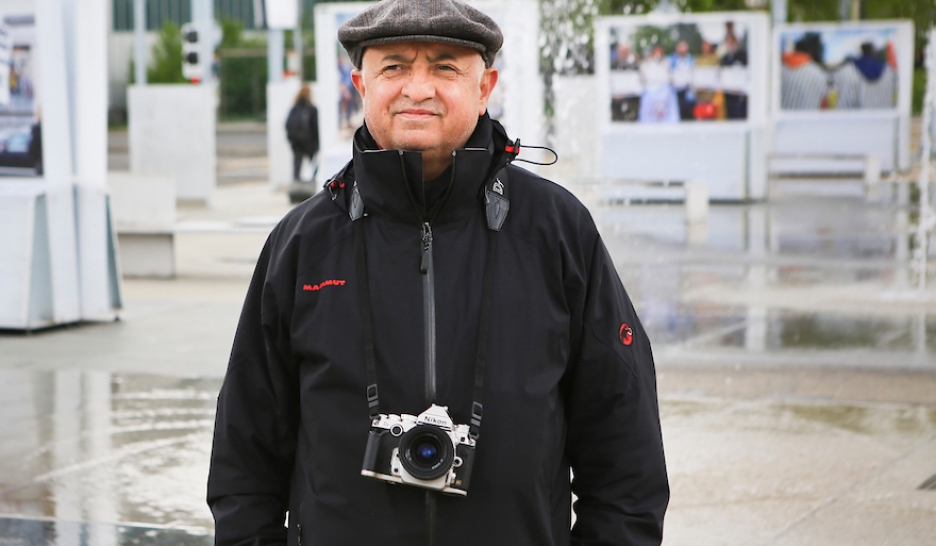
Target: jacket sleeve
613, 441
255, 428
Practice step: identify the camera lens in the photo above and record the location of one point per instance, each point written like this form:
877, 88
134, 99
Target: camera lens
426, 452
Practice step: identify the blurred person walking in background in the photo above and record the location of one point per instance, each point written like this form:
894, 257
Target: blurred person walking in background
303, 134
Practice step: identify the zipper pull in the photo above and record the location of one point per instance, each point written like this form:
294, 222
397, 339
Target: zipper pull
426, 247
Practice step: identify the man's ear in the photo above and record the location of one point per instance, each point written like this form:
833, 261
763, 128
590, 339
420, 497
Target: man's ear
488, 81
357, 78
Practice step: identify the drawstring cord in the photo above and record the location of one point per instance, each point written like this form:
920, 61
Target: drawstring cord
515, 150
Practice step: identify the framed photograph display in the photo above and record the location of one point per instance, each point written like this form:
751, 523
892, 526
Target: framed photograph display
39, 261
516, 101
20, 127
685, 97
678, 70
842, 90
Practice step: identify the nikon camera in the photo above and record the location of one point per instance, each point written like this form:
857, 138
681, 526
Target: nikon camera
426, 450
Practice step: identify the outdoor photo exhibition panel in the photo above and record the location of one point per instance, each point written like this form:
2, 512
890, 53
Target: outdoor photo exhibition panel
41, 267
517, 100
684, 98
841, 93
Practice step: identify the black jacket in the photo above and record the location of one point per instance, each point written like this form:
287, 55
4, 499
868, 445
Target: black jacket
569, 380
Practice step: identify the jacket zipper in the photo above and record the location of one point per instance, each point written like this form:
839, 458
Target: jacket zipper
429, 311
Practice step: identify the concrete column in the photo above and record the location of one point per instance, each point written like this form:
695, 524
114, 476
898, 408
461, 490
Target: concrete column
275, 49
297, 41
57, 160
139, 41
778, 10
203, 17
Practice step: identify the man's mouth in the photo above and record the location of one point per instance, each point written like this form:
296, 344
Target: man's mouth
416, 113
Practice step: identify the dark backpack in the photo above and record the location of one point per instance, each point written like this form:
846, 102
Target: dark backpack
297, 123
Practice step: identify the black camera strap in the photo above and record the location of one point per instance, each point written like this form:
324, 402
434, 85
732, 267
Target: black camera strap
496, 205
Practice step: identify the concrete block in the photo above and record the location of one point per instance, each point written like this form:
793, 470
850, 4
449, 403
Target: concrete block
172, 132
697, 201
872, 172
147, 254
144, 210
142, 202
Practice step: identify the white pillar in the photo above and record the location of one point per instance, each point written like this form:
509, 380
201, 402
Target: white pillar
778, 9
297, 41
86, 34
139, 41
203, 17
275, 48
52, 91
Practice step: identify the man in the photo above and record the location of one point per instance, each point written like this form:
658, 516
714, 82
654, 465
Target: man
626, 85
868, 81
682, 64
432, 273
804, 82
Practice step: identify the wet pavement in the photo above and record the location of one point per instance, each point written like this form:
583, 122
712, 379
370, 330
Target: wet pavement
796, 364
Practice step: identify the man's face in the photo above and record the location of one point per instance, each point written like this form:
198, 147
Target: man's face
423, 96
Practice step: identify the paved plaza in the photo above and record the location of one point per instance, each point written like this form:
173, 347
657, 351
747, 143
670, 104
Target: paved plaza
796, 363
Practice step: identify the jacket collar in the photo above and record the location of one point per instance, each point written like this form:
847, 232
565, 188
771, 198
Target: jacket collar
391, 183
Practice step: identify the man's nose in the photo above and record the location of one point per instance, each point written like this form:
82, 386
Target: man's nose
419, 86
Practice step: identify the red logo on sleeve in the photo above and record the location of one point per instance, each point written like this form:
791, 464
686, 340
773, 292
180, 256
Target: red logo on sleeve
323, 284
627, 335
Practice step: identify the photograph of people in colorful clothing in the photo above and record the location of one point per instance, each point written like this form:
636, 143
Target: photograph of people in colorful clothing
838, 69
684, 72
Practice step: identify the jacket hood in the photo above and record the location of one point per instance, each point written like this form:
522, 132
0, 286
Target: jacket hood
796, 59
870, 68
391, 182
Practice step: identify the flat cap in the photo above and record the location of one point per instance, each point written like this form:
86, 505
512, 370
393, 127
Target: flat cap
445, 21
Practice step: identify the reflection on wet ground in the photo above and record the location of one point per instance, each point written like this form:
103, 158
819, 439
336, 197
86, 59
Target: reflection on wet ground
105, 448
33, 532
828, 277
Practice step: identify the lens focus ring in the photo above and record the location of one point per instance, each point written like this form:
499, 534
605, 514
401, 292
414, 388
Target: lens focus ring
426, 452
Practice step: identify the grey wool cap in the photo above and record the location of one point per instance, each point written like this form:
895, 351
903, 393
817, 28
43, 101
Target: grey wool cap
445, 21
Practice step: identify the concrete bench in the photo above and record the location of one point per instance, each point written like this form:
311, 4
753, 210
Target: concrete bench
693, 193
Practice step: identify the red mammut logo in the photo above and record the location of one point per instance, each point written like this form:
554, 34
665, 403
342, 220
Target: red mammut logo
627, 335
323, 284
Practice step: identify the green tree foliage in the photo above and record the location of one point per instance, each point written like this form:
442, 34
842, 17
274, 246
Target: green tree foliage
923, 13
242, 72
166, 58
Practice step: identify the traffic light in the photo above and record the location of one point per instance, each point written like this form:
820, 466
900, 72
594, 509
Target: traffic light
192, 62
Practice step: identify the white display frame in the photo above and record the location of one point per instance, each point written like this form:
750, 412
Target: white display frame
738, 175
71, 90
519, 81
846, 122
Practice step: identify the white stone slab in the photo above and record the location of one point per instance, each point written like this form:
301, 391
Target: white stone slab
142, 203
172, 132
716, 156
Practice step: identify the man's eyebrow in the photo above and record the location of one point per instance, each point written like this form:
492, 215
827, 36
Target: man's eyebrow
442, 56
397, 57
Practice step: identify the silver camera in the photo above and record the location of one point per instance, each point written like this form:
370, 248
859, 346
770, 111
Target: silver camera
426, 450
